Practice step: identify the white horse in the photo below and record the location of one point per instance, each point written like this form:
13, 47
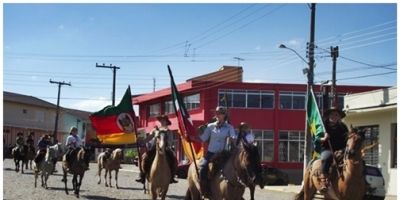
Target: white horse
110, 164
46, 166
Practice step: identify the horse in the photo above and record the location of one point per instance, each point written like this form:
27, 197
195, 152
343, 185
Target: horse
160, 173
242, 169
349, 184
110, 164
30, 156
80, 161
47, 164
19, 154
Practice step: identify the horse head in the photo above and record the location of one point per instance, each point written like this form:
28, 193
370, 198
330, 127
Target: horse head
354, 143
160, 141
250, 163
51, 153
116, 154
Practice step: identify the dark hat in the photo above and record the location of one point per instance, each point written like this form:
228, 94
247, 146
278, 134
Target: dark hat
243, 125
220, 110
164, 117
334, 109
19, 133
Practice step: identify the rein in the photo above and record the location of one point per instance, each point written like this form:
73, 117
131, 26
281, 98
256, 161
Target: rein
239, 181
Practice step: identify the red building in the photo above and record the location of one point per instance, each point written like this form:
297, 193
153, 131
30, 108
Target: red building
275, 111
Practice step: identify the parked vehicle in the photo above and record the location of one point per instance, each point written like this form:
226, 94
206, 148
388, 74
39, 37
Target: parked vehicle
376, 183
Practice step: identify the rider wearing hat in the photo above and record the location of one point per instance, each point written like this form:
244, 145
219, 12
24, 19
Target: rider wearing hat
216, 134
335, 135
20, 140
73, 144
148, 157
42, 145
244, 134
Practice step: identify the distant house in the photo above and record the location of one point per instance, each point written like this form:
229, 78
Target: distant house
376, 111
28, 114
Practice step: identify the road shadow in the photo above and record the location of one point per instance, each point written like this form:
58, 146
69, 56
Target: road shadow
62, 189
128, 188
95, 197
176, 197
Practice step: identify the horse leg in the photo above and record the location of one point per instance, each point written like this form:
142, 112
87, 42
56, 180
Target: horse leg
116, 178
36, 177
79, 184
65, 179
105, 177
75, 183
99, 174
109, 177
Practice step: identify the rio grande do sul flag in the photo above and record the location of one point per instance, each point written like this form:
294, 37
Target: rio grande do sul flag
185, 123
115, 124
315, 123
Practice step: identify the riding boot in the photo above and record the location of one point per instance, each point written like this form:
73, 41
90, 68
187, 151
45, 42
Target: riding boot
205, 190
173, 165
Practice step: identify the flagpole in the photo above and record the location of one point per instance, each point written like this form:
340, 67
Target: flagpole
184, 125
137, 137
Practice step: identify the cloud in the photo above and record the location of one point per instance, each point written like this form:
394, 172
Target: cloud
91, 105
256, 81
60, 27
258, 48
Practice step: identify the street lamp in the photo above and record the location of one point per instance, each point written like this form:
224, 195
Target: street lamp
282, 46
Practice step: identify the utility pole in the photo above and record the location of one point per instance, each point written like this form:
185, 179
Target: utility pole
154, 84
58, 106
334, 55
310, 84
114, 68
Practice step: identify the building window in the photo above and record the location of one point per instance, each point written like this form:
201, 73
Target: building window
246, 98
168, 107
154, 110
291, 146
24, 111
192, 102
292, 100
393, 147
265, 144
371, 155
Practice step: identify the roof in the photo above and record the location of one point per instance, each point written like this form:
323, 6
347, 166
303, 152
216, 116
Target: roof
161, 93
25, 99
84, 115
225, 73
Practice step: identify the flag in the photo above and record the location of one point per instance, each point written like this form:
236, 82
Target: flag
185, 123
116, 124
315, 122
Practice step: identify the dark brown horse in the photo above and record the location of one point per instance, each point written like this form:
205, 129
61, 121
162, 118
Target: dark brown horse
30, 156
19, 154
241, 170
349, 184
77, 169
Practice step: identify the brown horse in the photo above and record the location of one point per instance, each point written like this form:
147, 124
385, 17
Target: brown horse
77, 168
19, 154
349, 184
160, 174
242, 169
30, 156
110, 164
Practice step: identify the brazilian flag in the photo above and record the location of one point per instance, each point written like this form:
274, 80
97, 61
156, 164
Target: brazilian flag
315, 123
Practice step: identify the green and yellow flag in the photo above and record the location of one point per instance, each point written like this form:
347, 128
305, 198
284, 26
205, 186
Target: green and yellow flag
115, 125
315, 122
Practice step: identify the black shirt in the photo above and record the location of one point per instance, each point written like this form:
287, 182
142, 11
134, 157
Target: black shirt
337, 136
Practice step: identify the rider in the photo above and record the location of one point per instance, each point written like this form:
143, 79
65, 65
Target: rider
215, 135
42, 145
20, 141
29, 141
244, 134
148, 157
73, 145
335, 135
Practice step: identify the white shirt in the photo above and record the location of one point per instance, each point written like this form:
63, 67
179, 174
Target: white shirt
73, 141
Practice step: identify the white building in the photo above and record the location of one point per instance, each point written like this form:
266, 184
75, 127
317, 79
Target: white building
377, 111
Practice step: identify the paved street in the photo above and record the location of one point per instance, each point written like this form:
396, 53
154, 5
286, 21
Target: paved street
21, 186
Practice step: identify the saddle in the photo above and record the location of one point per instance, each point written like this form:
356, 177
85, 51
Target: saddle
217, 163
316, 169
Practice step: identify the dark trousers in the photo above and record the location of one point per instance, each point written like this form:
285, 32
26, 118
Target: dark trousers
204, 165
149, 156
326, 160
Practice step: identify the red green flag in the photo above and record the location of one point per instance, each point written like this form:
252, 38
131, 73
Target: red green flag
116, 124
185, 123
315, 122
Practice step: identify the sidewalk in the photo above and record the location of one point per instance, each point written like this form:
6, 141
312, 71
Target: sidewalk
296, 188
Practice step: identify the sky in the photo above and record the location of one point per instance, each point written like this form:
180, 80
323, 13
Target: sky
63, 42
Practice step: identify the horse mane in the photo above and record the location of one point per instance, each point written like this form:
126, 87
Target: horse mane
116, 154
80, 155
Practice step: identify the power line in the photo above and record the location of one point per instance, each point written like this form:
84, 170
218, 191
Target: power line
365, 76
